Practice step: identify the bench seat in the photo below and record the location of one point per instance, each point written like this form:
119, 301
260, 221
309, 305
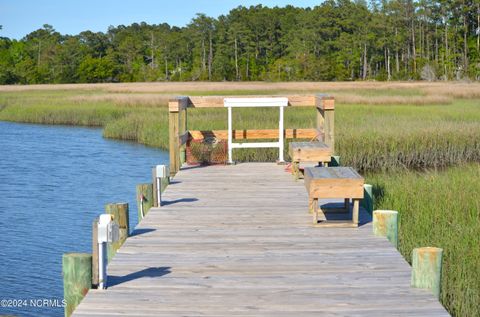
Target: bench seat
334, 182
301, 152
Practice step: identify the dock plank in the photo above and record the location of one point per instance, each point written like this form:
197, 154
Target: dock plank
238, 241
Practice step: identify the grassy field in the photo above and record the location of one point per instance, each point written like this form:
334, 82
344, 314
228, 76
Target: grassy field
440, 209
418, 143
419, 125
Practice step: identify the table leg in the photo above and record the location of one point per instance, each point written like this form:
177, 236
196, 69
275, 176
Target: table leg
356, 208
295, 170
311, 205
315, 210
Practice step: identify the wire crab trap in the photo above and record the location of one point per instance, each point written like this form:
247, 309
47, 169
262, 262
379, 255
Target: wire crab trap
207, 151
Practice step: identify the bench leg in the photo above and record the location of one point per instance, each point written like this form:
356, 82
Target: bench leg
311, 205
295, 170
356, 208
315, 210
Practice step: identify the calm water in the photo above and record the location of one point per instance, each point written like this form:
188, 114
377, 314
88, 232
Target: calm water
53, 182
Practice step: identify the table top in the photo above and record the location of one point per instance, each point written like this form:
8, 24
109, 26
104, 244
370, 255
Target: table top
332, 172
309, 145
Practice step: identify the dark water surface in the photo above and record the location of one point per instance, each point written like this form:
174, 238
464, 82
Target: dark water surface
54, 181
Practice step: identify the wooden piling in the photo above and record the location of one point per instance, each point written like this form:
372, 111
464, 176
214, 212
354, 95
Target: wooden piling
144, 199
177, 120
367, 201
325, 119
427, 269
95, 253
183, 129
385, 224
77, 279
173, 142
120, 215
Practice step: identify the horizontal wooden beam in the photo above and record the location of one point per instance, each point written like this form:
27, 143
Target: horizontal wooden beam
178, 104
256, 134
217, 101
325, 102
321, 101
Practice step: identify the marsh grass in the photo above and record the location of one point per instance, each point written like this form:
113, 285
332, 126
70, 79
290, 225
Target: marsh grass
379, 127
441, 209
406, 134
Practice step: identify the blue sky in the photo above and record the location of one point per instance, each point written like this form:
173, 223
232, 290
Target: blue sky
20, 17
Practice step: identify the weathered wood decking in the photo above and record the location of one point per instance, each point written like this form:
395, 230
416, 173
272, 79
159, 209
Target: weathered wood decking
238, 241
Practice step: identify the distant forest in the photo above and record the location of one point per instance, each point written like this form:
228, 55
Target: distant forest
337, 40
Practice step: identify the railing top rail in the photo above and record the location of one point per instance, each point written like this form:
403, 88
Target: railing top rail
321, 101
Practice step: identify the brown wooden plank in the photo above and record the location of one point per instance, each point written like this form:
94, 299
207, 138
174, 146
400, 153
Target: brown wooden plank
217, 101
310, 152
238, 240
254, 134
178, 104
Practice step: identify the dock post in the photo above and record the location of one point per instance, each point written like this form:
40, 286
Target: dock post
325, 119
367, 201
177, 119
77, 279
183, 129
385, 224
427, 269
120, 215
144, 199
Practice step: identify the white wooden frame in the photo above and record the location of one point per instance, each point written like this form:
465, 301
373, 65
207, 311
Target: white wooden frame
279, 102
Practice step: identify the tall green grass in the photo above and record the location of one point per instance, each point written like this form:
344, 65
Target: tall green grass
368, 137
436, 208
440, 209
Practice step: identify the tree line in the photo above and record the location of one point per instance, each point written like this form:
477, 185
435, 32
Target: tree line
336, 40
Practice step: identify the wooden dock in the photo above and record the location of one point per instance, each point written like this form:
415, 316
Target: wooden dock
238, 241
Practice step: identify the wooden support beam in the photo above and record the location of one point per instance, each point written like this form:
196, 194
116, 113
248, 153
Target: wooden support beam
329, 128
255, 134
173, 126
120, 215
325, 102
178, 104
385, 224
293, 100
427, 269
77, 279
325, 118
182, 122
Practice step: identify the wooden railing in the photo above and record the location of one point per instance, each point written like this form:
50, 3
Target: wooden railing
179, 133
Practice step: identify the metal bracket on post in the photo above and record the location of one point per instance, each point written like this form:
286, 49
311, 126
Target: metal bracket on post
108, 232
161, 171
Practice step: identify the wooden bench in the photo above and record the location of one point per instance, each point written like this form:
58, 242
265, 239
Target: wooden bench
334, 182
301, 152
